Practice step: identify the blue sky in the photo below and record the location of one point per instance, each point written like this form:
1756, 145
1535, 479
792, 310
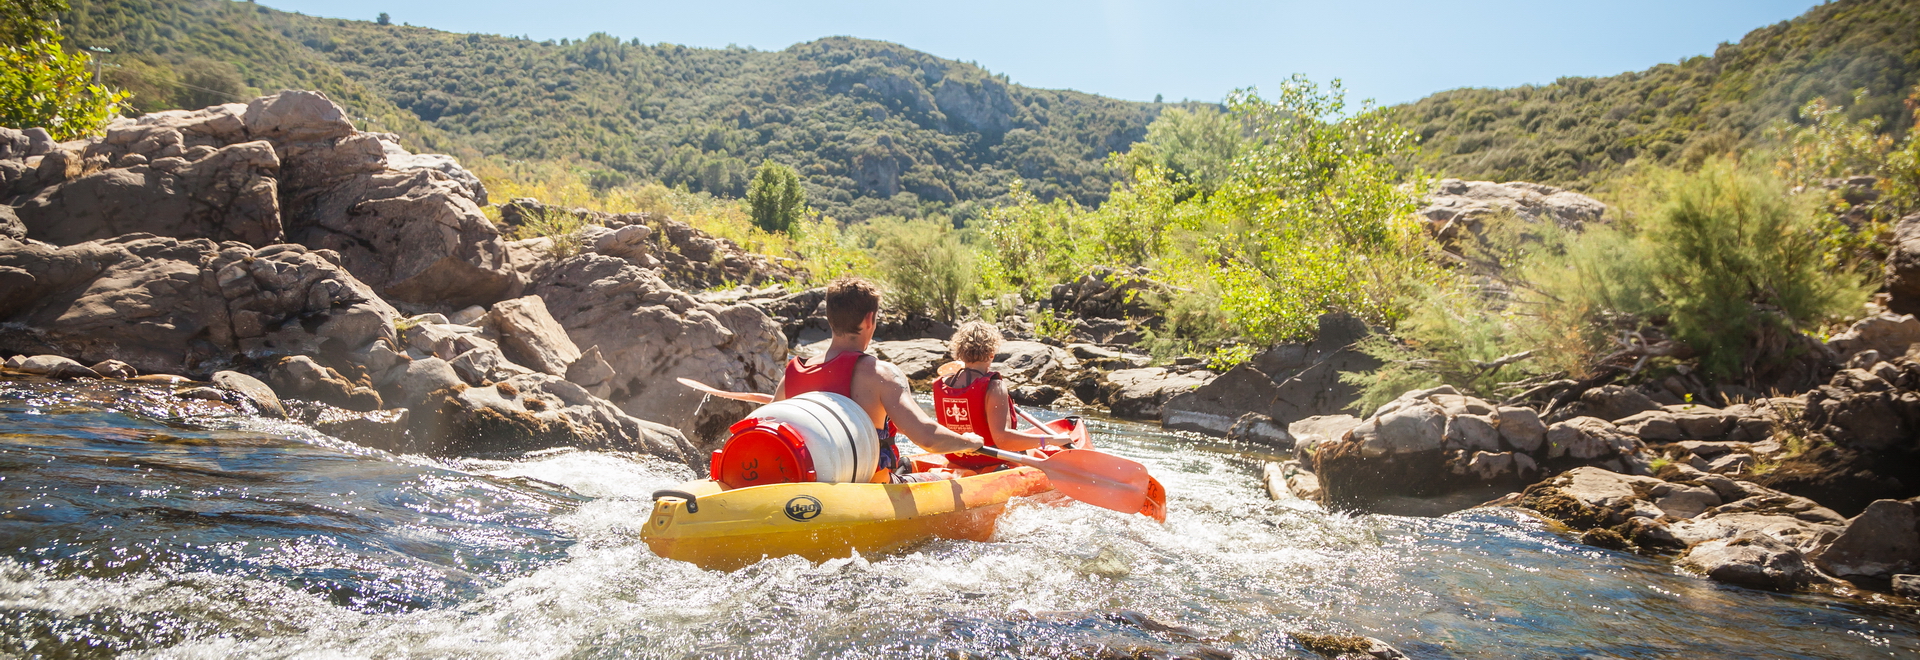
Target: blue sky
1393, 51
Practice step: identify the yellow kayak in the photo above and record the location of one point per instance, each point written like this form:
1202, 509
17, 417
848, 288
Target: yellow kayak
716, 529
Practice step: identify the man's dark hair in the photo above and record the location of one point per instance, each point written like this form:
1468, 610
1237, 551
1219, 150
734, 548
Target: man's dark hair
849, 301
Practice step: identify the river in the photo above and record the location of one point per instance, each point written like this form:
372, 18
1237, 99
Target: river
134, 525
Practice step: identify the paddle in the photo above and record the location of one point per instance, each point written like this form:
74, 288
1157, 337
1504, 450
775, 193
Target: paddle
1102, 480
749, 397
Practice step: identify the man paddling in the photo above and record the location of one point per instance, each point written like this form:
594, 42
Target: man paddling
877, 386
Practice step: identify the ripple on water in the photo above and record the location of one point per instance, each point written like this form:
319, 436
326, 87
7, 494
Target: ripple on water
127, 525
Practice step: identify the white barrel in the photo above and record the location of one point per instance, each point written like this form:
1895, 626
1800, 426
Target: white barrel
839, 435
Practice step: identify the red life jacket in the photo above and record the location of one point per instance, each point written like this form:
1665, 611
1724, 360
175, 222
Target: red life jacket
964, 410
836, 376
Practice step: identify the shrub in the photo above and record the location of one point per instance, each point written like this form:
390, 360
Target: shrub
560, 227
775, 199
924, 264
44, 85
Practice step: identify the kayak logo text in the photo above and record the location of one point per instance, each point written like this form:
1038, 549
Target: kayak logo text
803, 508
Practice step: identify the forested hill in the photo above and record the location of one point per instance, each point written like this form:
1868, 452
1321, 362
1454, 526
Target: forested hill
1576, 131
873, 128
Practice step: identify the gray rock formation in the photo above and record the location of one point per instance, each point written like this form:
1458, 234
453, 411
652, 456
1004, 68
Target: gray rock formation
287, 167
173, 306
1288, 383
1456, 204
650, 334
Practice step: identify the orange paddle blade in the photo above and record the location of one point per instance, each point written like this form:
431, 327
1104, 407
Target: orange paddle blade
1156, 505
1102, 480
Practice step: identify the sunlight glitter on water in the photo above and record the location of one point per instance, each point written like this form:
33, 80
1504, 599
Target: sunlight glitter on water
272, 541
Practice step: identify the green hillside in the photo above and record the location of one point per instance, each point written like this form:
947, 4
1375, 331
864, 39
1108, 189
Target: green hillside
1577, 131
873, 128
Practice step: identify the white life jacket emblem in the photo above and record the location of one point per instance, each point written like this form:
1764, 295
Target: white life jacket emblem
957, 412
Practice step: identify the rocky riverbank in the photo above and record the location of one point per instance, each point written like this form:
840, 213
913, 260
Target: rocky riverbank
269, 250
1812, 491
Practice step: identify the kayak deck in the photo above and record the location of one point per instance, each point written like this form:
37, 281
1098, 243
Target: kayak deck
732, 529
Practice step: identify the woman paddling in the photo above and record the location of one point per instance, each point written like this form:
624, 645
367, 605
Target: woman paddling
974, 400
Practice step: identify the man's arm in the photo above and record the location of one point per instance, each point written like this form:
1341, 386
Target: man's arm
1000, 415
897, 398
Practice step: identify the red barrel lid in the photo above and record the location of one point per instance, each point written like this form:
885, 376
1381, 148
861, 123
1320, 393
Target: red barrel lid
762, 452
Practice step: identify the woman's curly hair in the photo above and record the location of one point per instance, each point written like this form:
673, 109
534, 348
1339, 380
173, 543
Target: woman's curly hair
976, 341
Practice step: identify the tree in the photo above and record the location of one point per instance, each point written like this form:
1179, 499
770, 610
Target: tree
384, 19
42, 84
25, 20
775, 198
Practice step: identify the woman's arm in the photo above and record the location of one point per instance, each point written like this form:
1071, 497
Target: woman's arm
1000, 415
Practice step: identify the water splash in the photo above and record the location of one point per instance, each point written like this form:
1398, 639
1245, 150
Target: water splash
129, 524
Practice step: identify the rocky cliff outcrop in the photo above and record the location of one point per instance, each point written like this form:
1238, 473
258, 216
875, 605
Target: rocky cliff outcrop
283, 168
266, 239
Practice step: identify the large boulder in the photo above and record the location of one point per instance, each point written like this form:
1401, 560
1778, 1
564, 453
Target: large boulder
1140, 393
919, 359
1881, 542
1752, 559
182, 306
650, 334
529, 335
536, 411
1425, 444
286, 167
1288, 383
230, 194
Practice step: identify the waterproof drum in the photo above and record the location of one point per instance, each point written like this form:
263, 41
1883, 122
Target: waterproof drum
817, 436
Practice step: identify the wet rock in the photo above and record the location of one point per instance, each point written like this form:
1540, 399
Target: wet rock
1260, 429
531, 337
1684, 501
379, 429
301, 377
1882, 541
1140, 393
1907, 586
1750, 559
537, 411
1313, 432
114, 369
1347, 647
51, 366
252, 390
1289, 382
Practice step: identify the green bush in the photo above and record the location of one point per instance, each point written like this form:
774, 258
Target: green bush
775, 199
44, 85
924, 266
559, 227
1728, 244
